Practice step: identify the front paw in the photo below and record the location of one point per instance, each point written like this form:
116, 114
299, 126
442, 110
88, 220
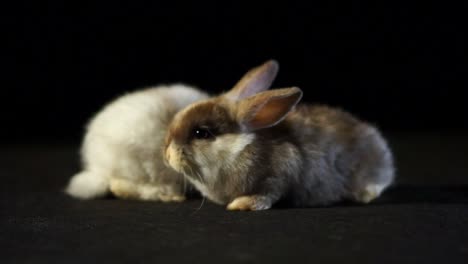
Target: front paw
250, 203
172, 198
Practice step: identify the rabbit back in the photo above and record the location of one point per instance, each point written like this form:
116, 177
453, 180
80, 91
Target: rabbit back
344, 157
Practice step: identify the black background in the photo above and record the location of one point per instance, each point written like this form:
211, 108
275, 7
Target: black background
399, 65
402, 67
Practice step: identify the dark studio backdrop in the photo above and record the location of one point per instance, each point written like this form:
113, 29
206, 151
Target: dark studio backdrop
399, 65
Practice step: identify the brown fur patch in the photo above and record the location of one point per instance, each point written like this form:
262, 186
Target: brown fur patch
209, 114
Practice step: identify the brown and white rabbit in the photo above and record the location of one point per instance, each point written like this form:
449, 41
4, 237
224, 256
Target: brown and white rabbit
123, 146
249, 148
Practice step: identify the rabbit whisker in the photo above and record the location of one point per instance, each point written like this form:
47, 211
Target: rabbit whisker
201, 205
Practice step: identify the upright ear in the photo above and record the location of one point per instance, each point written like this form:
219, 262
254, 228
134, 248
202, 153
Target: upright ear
268, 108
254, 81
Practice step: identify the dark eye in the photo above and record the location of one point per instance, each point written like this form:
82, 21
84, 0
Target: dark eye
202, 133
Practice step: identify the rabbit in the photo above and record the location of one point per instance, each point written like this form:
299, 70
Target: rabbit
123, 146
250, 148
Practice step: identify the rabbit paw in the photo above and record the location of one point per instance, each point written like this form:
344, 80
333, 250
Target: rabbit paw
126, 189
250, 203
369, 193
171, 198
163, 193
123, 189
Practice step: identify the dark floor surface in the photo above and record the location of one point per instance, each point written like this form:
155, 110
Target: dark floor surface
422, 219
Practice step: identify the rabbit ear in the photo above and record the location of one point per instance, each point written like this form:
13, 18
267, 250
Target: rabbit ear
268, 108
254, 81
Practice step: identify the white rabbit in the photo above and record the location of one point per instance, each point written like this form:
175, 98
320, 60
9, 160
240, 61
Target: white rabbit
122, 148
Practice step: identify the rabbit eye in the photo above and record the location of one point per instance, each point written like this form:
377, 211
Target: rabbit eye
202, 133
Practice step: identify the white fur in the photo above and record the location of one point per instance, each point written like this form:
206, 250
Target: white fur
222, 152
371, 191
377, 188
124, 140
86, 185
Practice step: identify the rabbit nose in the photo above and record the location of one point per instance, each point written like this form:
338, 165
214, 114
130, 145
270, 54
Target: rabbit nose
167, 154
171, 154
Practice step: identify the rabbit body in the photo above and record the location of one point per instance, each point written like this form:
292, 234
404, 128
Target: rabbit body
122, 148
250, 148
320, 155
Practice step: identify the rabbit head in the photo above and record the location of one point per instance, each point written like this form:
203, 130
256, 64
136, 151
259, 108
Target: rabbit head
210, 141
